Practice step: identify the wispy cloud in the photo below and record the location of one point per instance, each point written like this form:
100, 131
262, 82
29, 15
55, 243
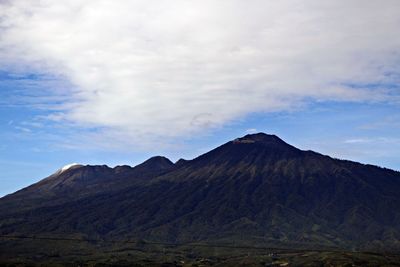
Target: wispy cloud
358, 140
148, 69
23, 129
392, 121
251, 130
376, 140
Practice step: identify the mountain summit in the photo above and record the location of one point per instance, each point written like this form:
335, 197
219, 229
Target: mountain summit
261, 138
256, 189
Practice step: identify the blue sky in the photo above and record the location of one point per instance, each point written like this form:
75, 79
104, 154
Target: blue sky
100, 82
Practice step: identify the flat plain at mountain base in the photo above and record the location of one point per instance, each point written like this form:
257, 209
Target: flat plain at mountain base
55, 253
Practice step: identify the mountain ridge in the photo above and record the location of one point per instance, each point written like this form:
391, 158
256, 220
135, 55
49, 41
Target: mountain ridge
255, 189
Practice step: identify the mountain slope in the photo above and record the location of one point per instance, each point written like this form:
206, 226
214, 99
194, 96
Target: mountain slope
82, 181
253, 190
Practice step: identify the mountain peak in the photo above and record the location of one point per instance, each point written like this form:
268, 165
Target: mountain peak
259, 138
159, 160
259, 146
181, 162
156, 163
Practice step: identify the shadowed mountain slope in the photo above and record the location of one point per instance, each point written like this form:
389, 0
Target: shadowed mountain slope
82, 181
254, 190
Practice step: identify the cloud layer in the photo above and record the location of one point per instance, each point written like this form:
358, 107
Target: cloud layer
174, 68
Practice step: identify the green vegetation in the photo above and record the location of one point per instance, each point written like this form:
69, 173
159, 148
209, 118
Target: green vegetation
69, 253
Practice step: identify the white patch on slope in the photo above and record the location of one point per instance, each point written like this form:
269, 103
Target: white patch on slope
66, 167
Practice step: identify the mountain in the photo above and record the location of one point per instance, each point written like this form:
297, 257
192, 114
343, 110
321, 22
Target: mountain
255, 190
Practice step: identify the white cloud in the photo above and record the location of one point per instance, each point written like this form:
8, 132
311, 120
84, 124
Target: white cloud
172, 68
